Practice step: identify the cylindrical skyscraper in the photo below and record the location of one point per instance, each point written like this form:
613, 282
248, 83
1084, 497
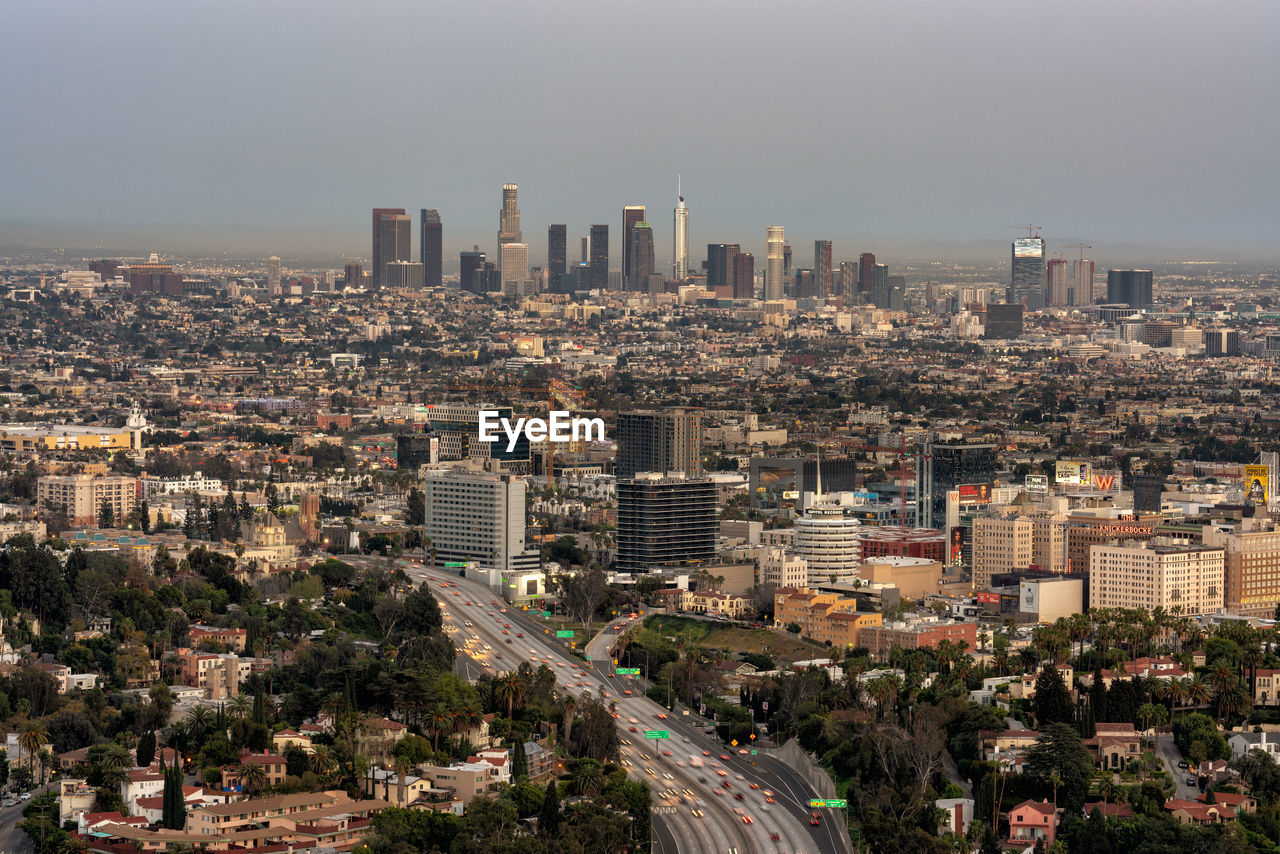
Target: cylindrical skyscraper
775, 240
680, 242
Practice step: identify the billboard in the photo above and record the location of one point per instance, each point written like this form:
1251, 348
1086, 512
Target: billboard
1106, 481
1072, 472
1028, 247
1256, 479
1037, 485
956, 542
974, 493
989, 598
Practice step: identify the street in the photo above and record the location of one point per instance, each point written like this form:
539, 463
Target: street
1168, 752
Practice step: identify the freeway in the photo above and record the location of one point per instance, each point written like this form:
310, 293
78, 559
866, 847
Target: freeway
696, 804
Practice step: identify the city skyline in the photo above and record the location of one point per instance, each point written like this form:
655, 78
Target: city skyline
947, 151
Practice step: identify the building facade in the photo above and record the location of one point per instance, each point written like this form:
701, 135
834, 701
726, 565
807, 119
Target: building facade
476, 517
659, 441
82, 497
1145, 576
665, 520
431, 248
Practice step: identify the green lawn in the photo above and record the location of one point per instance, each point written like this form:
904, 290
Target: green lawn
708, 635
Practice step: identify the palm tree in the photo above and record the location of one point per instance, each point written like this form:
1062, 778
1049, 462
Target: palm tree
509, 688
199, 720
322, 761
587, 778
1198, 693
1249, 661
73, 845
570, 705
33, 738
402, 769
113, 763
439, 719
240, 706
252, 777
1108, 789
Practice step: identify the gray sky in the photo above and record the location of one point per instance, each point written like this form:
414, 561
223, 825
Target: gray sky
283, 122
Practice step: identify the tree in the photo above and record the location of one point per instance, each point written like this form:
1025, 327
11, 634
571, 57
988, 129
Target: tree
519, 761
1059, 751
146, 748
106, 515
1052, 702
252, 777
549, 815
32, 740
586, 777
173, 807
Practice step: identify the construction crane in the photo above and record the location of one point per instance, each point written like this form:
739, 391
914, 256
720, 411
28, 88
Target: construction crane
1080, 246
555, 389
1032, 230
901, 453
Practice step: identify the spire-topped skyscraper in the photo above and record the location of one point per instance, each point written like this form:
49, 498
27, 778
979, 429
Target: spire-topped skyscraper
508, 217
680, 242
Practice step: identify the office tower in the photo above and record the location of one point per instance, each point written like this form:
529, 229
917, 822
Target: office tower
829, 539
458, 428
354, 275
641, 262
1004, 321
1146, 576
897, 293
849, 281
475, 517
394, 234
273, 276
1221, 342
379, 261
600, 257
557, 256
942, 468
659, 441
822, 266
586, 251
471, 267
775, 240
431, 248
1026, 275
509, 216
1082, 276
416, 449
1129, 287
880, 285
680, 238
1058, 288
403, 275
514, 265
631, 215
720, 264
806, 284
744, 276
866, 273
665, 520
786, 259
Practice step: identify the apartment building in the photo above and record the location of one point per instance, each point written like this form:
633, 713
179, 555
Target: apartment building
781, 568
1146, 575
1251, 568
919, 633
1001, 544
823, 617
82, 497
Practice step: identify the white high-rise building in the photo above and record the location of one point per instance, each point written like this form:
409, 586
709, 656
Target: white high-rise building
273, 276
1143, 576
475, 516
515, 263
775, 241
680, 241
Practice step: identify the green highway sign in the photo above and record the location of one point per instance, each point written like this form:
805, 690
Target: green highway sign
546, 613
754, 752
456, 564
657, 733
830, 803
628, 671
564, 633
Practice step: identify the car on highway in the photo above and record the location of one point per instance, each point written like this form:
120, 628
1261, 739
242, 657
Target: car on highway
696, 813
739, 796
774, 837
706, 753
746, 819
770, 801
724, 756
755, 785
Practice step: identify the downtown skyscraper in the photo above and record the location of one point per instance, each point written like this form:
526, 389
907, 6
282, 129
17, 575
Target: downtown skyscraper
680, 237
557, 255
600, 257
631, 216
775, 243
641, 256
1027, 272
386, 242
509, 216
430, 248
822, 267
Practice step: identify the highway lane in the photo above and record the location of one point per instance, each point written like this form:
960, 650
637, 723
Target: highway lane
485, 641
789, 786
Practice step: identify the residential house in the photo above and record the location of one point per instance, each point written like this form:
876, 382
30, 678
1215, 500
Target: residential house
1194, 812
1032, 821
1242, 742
1114, 746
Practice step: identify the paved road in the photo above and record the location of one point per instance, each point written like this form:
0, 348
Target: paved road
679, 787
13, 840
1168, 751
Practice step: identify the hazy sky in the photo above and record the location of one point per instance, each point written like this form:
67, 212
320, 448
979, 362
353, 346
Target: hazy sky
284, 122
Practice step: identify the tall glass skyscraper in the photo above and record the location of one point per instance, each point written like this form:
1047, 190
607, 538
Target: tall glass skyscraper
1026, 278
680, 240
632, 215
600, 257
557, 255
431, 249
775, 241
